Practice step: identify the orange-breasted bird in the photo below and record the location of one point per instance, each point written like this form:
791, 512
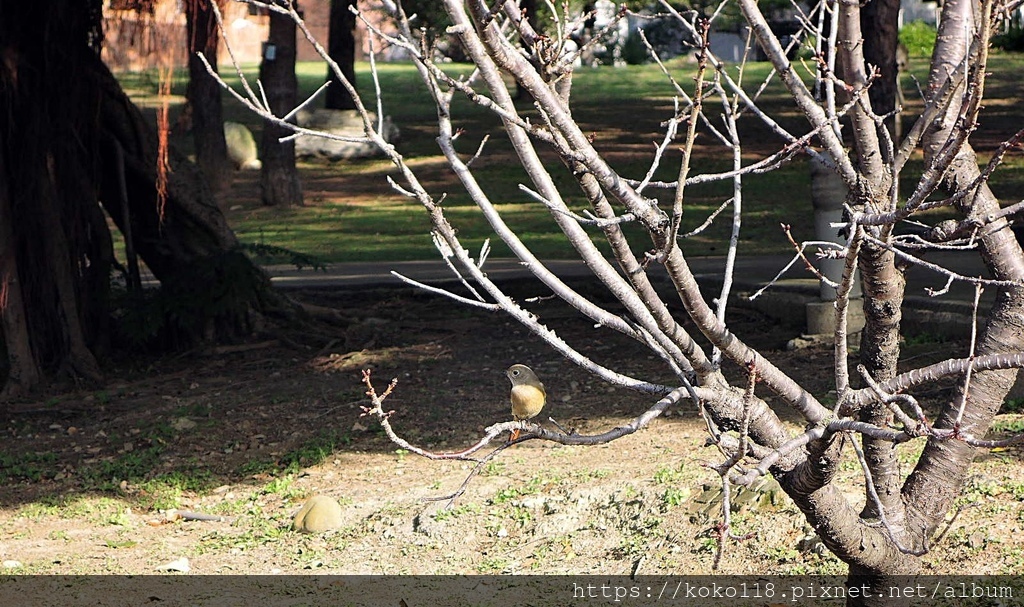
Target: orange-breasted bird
528, 395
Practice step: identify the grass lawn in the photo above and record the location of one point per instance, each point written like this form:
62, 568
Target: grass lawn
352, 214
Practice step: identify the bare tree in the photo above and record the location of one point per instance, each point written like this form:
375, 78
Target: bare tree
903, 512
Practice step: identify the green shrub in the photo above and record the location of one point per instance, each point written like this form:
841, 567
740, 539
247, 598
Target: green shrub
634, 52
1011, 40
919, 38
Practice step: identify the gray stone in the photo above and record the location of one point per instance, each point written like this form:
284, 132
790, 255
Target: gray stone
242, 148
344, 123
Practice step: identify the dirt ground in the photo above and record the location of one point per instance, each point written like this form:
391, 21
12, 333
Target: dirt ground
90, 478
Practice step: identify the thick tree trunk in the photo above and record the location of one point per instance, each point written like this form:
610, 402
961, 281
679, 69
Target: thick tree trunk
70, 140
279, 180
942, 469
22, 368
204, 95
341, 46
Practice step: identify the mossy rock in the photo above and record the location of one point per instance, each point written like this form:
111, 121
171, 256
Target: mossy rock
320, 513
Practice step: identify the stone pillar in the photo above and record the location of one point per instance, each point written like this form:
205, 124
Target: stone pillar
828, 192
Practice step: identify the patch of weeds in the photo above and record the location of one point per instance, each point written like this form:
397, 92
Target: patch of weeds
782, 554
674, 496
27, 467
131, 466
587, 475
1008, 423
256, 467
494, 565
314, 451
532, 487
977, 489
59, 535
520, 515
668, 476
456, 511
260, 529
925, 338
121, 517
231, 507
100, 511
165, 490
1013, 561
37, 510
636, 540
120, 543
283, 487
194, 410
493, 468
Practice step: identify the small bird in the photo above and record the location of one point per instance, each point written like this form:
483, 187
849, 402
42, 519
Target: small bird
528, 395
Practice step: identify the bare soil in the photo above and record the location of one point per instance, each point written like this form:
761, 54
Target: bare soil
91, 478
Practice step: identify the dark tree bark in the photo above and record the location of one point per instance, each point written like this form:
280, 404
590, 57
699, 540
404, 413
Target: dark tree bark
204, 94
341, 46
71, 141
880, 25
279, 180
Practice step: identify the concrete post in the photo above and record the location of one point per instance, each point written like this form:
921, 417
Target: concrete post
828, 192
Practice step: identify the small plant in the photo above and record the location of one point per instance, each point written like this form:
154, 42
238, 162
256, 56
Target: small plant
532, 487
667, 476
282, 486
494, 565
121, 517
455, 512
493, 468
674, 497
521, 516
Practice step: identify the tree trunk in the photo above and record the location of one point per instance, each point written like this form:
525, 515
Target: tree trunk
341, 46
67, 145
204, 95
279, 180
880, 26
22, 369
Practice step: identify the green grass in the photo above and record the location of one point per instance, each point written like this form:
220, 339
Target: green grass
312, 452
622, 107
31, 467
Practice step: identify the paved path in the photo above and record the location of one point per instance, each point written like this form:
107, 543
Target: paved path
751, 272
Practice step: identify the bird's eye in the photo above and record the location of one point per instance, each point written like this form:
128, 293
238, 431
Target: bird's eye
515, 372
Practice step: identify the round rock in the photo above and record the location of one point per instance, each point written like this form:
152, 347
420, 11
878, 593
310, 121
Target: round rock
320, 513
